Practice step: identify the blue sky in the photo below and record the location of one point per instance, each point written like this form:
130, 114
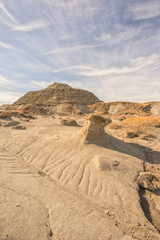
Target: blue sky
109, 47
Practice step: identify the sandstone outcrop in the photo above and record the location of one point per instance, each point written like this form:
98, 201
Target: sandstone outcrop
149, 180
149, 192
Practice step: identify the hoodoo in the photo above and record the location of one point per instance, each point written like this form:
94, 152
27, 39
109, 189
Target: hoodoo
94, 127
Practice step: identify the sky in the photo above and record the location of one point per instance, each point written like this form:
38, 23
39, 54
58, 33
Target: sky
109, 47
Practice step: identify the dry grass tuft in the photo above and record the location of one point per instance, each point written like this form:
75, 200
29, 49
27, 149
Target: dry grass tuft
140, 126
141, 123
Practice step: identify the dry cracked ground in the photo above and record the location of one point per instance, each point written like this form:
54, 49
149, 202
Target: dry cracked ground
75, 182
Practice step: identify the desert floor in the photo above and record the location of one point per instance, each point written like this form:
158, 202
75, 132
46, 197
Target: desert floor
54, 185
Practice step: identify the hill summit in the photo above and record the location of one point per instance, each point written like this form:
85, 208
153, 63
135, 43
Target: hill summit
58, 93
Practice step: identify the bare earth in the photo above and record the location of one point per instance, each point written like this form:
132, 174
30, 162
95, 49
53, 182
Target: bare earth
74, 182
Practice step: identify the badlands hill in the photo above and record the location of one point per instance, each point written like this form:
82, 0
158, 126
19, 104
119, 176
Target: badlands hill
62, 99
79, 168
58, 93
58, 97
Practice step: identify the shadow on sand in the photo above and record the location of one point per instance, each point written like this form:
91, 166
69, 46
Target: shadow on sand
136, 150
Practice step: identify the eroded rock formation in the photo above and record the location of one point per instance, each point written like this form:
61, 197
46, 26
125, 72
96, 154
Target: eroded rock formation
94, 127
149, 180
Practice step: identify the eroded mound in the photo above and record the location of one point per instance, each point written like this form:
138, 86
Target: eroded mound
58, 93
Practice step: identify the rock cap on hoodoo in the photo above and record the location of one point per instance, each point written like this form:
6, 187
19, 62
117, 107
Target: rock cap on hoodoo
98, 120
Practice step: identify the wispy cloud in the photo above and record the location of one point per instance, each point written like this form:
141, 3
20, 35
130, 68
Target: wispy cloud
31, 26
9, 84
136, 65
6, 46
63, 3
145, 9
7, 13
73, 68
71, 49
119, 34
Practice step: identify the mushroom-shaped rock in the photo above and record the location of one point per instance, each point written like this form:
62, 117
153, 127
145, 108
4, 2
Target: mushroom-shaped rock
94, 127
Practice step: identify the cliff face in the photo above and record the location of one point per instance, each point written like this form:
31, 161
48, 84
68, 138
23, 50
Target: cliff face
58, 93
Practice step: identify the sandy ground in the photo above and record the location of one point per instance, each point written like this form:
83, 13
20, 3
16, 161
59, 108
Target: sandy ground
53, 186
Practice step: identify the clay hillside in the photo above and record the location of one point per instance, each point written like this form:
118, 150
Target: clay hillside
57, 94
76, 168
